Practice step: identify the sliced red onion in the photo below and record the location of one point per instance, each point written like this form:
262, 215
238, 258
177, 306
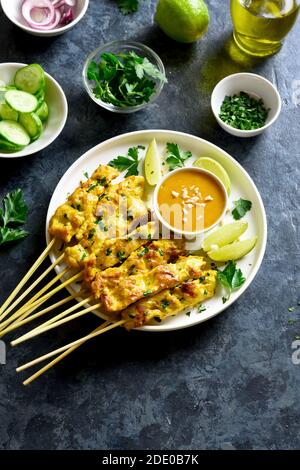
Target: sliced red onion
48, 14
46, 9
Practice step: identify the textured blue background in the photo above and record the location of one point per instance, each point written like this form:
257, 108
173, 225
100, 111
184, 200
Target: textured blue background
229, 383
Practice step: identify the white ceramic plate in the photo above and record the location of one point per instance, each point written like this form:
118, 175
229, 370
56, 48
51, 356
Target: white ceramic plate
242, 186
58, 111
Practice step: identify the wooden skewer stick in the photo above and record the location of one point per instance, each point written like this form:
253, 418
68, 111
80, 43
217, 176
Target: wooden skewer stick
39, 294
70, 345
36, 282
24, 319
34, 301
32, 307
25, 278
56, 321
60, 357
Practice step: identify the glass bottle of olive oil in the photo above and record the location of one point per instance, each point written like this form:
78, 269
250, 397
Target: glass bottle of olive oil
261, 25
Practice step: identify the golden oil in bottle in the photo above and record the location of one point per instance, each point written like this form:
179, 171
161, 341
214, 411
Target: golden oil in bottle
261, 25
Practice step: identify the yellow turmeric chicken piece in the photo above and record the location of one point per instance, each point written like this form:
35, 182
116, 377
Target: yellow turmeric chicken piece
170, 302
118, 294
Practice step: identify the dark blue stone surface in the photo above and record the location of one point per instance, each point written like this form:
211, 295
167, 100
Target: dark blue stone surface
229, 383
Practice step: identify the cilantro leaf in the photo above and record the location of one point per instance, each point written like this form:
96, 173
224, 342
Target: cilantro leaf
14, 213
124, 79
11, 234
231, 278
242, 206
176, 157
15, 209
129, 163
128, 6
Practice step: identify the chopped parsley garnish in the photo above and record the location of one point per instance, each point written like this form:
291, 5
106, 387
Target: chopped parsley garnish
108, 251
188, 314
161, 252
13, 214
201, 308
83, 256
121, 255
175, 157
231, 278
91, 233
91, 187
85, 173
102, 225
129, 163
201, 279
147, 292
158, 319
144, 251
243, 112
165, 303
292, 321
291, 309
128, 6
242, 206
124, 79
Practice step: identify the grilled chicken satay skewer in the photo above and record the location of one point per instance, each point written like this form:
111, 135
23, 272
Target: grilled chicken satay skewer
167, 303
130, 190
154, 255
72, 208
105, 254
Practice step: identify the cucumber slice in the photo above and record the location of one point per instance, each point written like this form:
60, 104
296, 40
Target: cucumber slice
14, 133
21, 101
43, 111
6, 112
6, 146
32, 124
30, 78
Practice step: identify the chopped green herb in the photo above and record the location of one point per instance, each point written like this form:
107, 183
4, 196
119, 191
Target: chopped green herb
91, 233
124, 79
129, 163
129, 239
144, 251
91, 187
165, 303
147, 292
129, 215
231, 278
201, 308
158, 319
85, 173
83, 256
291, 309
108, 251
291, 321
201, 279
121, 255
128, 6
14, 213
188, 314
243, 112
242, 206
161, 252
102, 225
175, 157
149, 236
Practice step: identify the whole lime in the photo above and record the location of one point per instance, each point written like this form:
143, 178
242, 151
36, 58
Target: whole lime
183, 20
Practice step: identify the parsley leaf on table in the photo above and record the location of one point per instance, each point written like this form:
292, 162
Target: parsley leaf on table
129, 163
176, 157
14, 213
231, 278
241, 207
128, 6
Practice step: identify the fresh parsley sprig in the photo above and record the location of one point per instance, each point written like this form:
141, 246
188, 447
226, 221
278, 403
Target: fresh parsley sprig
231, 278
242, 206
128, 6
175, 157
13, 214
124, 79
129, 163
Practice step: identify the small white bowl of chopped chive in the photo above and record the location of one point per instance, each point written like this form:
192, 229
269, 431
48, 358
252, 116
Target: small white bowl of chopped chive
245, 104
124, 76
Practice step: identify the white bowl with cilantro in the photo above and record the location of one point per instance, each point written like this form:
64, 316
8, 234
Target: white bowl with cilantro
245, 104
123, 76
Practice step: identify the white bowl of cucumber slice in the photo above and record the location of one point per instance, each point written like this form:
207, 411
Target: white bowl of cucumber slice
33, 109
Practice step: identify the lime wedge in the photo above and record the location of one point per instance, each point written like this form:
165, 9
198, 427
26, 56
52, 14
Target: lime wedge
224, 235
233, 251
153, 164
216, 168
